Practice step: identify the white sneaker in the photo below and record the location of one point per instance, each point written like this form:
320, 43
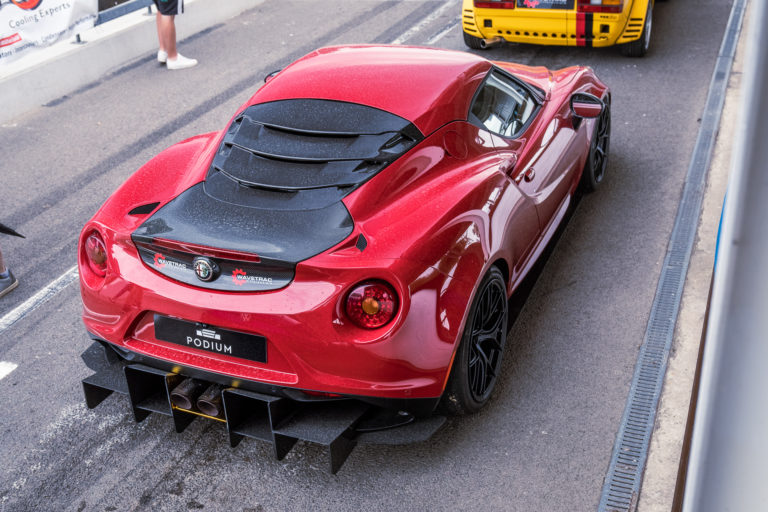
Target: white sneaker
162, 56
181, 62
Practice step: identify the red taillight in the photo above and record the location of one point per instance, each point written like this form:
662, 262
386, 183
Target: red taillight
494, 4
371, 304
96, 254
600, 5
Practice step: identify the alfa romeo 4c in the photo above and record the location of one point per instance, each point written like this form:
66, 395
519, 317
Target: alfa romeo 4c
335, 264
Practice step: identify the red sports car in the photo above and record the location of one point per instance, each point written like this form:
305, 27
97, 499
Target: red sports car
338, 260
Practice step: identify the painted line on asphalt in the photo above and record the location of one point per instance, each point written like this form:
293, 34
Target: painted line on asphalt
6, 368
426, 21
38, 299
443, 33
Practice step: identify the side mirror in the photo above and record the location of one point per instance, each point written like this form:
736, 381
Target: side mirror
585, 105
271, 75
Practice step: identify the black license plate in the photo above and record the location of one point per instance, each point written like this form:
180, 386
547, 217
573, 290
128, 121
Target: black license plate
211, 339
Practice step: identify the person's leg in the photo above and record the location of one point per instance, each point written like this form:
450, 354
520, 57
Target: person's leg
2, 265
160, 41
166, 34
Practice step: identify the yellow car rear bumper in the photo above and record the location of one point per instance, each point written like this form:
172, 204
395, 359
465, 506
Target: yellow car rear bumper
556, 26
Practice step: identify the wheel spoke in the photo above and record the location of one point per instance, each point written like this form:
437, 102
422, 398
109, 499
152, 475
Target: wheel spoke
486, 339
599, 150
599, 158
488, 315
485, 360
493, 323
477, 376
490, 339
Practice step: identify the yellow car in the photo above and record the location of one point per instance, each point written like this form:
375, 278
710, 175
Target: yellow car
559, 22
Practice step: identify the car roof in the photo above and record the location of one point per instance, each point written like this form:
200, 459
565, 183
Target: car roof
426, 86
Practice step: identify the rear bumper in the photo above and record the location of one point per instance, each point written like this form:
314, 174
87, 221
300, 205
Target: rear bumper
309, 343
118, 357
554, 27
280, 416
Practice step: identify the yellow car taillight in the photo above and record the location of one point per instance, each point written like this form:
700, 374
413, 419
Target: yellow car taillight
600, 5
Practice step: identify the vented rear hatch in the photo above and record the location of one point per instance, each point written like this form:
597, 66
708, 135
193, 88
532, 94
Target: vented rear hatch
272, 196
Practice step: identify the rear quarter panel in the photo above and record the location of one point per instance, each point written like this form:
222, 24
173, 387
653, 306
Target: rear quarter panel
451, 214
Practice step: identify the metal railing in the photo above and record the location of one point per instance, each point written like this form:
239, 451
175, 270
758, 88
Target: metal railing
120, 10
123, 9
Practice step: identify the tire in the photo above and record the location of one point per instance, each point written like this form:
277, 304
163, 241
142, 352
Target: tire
640, 47
472, 41
597, 161
477, 363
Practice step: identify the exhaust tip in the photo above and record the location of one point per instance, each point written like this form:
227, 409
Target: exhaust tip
209, 403
185, 394
491, 42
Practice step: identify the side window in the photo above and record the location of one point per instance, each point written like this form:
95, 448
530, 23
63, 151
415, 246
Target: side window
502, 106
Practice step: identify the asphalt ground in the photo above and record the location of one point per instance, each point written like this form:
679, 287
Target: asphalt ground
544, 441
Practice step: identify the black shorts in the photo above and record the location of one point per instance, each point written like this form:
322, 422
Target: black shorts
170, 7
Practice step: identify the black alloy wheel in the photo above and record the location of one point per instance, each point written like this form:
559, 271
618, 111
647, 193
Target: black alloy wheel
477, 364
597, 161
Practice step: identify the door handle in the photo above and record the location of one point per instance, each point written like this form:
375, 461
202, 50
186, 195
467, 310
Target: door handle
508, 164
528, 175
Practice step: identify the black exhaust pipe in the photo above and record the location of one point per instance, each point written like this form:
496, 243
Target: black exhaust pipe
209, 402
185, 394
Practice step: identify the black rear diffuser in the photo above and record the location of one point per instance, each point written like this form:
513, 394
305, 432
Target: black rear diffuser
337, 425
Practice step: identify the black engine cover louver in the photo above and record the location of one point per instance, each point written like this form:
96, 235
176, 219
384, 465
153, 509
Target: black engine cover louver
275, 187
305, 154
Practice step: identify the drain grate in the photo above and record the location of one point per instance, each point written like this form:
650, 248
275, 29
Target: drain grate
630, 450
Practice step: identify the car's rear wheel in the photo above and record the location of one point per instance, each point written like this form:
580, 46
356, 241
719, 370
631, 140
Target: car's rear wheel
597, 161
640, 47
477, 363
473, 42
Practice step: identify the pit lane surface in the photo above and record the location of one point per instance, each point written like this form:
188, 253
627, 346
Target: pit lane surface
544, 441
